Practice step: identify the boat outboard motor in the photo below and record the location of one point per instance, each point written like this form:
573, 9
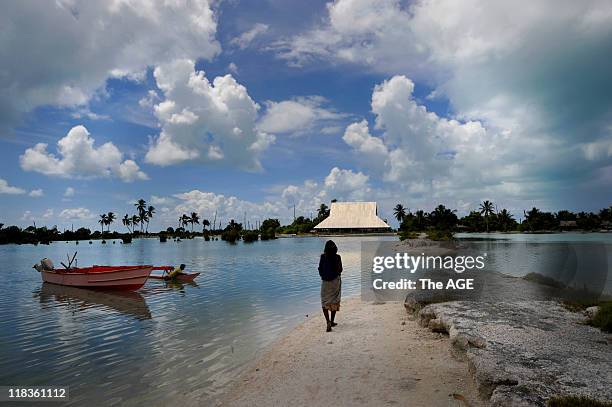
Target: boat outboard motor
45, 265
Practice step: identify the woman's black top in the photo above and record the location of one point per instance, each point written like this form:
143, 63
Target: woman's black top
330, 266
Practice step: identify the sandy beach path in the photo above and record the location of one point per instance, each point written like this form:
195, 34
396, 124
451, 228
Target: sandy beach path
376, 356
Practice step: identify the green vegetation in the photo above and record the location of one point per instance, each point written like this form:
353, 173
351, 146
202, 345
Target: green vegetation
603, 318
576, 401
439, 224
249, 236
268, 229
488, 218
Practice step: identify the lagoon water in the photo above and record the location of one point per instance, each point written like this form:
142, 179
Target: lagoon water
170, 343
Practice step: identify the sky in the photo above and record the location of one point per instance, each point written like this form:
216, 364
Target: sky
247, 109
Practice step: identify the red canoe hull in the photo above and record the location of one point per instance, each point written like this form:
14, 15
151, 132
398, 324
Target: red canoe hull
128, 278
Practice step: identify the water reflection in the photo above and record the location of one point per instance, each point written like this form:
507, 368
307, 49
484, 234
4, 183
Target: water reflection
130, 303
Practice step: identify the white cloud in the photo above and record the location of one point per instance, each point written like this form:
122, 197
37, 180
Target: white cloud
69, 192
341, 184
5, 188
77, 45
36, 193
28, 216
79, 158
233, 68
149, 100
246, 38
129, 171
297, 115
161, 200
203, 121
76, 214
527, 110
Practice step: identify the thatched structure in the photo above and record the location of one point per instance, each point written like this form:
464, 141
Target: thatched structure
353, 217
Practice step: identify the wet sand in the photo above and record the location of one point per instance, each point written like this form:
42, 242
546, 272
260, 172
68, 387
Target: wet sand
376, 356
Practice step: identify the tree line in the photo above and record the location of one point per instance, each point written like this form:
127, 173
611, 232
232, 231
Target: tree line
487, 218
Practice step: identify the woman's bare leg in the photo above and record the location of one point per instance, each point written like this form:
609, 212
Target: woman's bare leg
326, 313
333, 315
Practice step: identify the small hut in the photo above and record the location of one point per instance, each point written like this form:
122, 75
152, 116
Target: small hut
353, 217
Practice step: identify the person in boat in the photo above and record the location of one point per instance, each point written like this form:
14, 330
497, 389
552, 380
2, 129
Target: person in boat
330, 269
174, 273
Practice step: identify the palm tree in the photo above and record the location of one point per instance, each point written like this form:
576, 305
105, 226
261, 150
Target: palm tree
150, 212
194, 219
400, 212
144, 218
504, 218
141, 207
421, 217
185, 220
205, 223
102, 221
486, 209
135, 221
127, 221
323, 211
110, 218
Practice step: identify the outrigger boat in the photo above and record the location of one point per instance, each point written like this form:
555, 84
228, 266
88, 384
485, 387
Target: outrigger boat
97, 277
184, 277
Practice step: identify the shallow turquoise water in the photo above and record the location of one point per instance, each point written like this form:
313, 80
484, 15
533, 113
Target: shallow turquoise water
169, 343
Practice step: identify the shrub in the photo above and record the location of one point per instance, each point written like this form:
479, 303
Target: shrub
250, 236
230, 235
408, 235
440, 235
603, 318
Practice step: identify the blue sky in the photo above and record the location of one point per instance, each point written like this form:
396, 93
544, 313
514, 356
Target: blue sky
239, 106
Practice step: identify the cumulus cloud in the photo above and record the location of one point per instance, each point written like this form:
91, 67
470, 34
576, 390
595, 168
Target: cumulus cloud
5, 188
246, 38
76, 214
69, 192
204, 121
537, 106
80, 158
297, 115
36, 193
341, 184
77, 45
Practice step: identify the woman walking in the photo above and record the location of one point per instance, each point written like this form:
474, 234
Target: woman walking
330, 268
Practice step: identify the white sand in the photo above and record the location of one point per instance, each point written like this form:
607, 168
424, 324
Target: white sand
375, 356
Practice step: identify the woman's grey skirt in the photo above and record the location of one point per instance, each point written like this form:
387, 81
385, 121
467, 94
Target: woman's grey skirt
330, 294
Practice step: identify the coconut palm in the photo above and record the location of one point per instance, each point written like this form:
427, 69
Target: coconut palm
150, 212
102, 221
399, 212
505, 218
205, 223
323, 211
194, 219
141, 207
110, 218
127, 221
135, 221
185, 220
486, 209
420, 218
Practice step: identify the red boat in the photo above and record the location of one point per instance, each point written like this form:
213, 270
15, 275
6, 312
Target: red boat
99, 277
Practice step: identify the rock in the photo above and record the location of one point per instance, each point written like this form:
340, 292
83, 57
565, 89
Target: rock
591, 312
522, 353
